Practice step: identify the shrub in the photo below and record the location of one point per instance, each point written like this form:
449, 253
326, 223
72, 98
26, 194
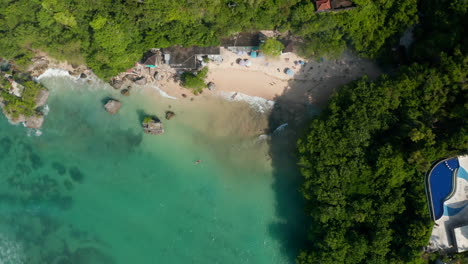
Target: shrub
272, 47
195, 82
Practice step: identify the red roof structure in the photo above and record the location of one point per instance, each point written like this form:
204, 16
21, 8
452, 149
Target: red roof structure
323, 5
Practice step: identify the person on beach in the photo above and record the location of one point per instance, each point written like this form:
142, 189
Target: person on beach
197, 162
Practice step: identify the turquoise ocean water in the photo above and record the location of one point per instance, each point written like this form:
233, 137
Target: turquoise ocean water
94, 189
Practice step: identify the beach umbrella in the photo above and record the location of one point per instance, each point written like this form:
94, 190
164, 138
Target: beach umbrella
248, 63
242, 63
289, 72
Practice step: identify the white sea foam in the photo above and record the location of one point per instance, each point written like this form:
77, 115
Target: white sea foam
45, 109
55, 73
11, 252
258, 103
34, 132
163, 93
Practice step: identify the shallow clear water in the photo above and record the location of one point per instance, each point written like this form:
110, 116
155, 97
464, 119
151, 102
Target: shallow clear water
94, 189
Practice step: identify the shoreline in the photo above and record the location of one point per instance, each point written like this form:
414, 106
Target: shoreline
264, 82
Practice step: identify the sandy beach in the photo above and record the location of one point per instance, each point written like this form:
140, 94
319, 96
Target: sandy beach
312, 82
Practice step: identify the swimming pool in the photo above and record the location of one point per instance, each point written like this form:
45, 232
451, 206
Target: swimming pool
440, 184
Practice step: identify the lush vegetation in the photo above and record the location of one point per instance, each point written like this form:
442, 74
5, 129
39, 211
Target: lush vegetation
195, 81
148, 119
272, 47
365, 156
26, 104
109, 36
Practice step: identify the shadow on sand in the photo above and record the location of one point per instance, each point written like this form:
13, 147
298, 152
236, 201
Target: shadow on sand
306, 94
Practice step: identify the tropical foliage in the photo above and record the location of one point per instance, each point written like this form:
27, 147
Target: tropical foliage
272, 47
196, 82
26, 104
109, 36
365, 156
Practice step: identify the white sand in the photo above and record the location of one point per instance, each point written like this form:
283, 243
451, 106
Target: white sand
311, 83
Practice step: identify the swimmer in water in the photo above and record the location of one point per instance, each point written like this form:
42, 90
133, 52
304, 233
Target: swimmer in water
198, 161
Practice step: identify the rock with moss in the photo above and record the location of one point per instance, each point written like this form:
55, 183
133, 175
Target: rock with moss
153, 126
169, 115
22, 105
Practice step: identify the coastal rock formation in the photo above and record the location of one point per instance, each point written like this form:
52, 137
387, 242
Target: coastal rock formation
129, 77
41, 98
34, 121
116, 84
141, 81
112, 106
21, 99
169, 115
83, 75
152, 126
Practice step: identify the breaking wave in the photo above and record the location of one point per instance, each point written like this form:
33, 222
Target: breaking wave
258, 103
163, 93
55, 73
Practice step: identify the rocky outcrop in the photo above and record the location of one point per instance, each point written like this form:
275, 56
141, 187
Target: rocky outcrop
169, 115
125, 92
34, 121
152, 126
41, 98
112, 106
141, 81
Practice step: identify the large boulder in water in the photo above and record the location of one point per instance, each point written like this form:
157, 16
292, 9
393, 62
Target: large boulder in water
169, 115
152, 126
112, 106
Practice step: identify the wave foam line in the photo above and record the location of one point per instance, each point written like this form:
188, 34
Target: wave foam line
258, 103
55, 73
163, 93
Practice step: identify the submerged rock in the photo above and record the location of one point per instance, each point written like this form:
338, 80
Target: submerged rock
169, 115
112, 106
152, 126
125, 92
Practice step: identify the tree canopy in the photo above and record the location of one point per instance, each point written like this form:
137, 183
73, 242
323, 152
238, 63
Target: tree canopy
364, 157
272, 47
109, 36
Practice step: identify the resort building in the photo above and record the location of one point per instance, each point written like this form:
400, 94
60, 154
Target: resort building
447, 193
188, 58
